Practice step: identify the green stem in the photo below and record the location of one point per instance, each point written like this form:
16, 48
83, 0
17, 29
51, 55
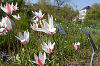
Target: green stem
50, 58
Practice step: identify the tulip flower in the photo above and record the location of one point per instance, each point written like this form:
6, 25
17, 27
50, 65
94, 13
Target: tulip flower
24, 39
7, 9
9, 24
17, 17
49, 28
36, 21
14, 8
41, 59
35, 27
3, 31
48, 48
3, 22
6, 24
38, 14
76, 45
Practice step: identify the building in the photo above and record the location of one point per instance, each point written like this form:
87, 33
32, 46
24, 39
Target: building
82, 13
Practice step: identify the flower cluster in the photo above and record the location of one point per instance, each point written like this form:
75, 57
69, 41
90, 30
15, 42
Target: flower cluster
45, 27
6, 23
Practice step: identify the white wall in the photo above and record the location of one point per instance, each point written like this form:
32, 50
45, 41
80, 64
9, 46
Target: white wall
82, 14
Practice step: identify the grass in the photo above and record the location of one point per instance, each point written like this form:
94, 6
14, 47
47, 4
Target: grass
26, 52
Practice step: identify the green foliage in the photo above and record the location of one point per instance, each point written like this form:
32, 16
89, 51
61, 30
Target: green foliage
94, 12
63, 14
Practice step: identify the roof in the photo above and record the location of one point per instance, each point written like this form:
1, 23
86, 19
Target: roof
87, 7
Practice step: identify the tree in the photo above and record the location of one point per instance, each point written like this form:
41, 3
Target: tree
60, 3
94, 13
